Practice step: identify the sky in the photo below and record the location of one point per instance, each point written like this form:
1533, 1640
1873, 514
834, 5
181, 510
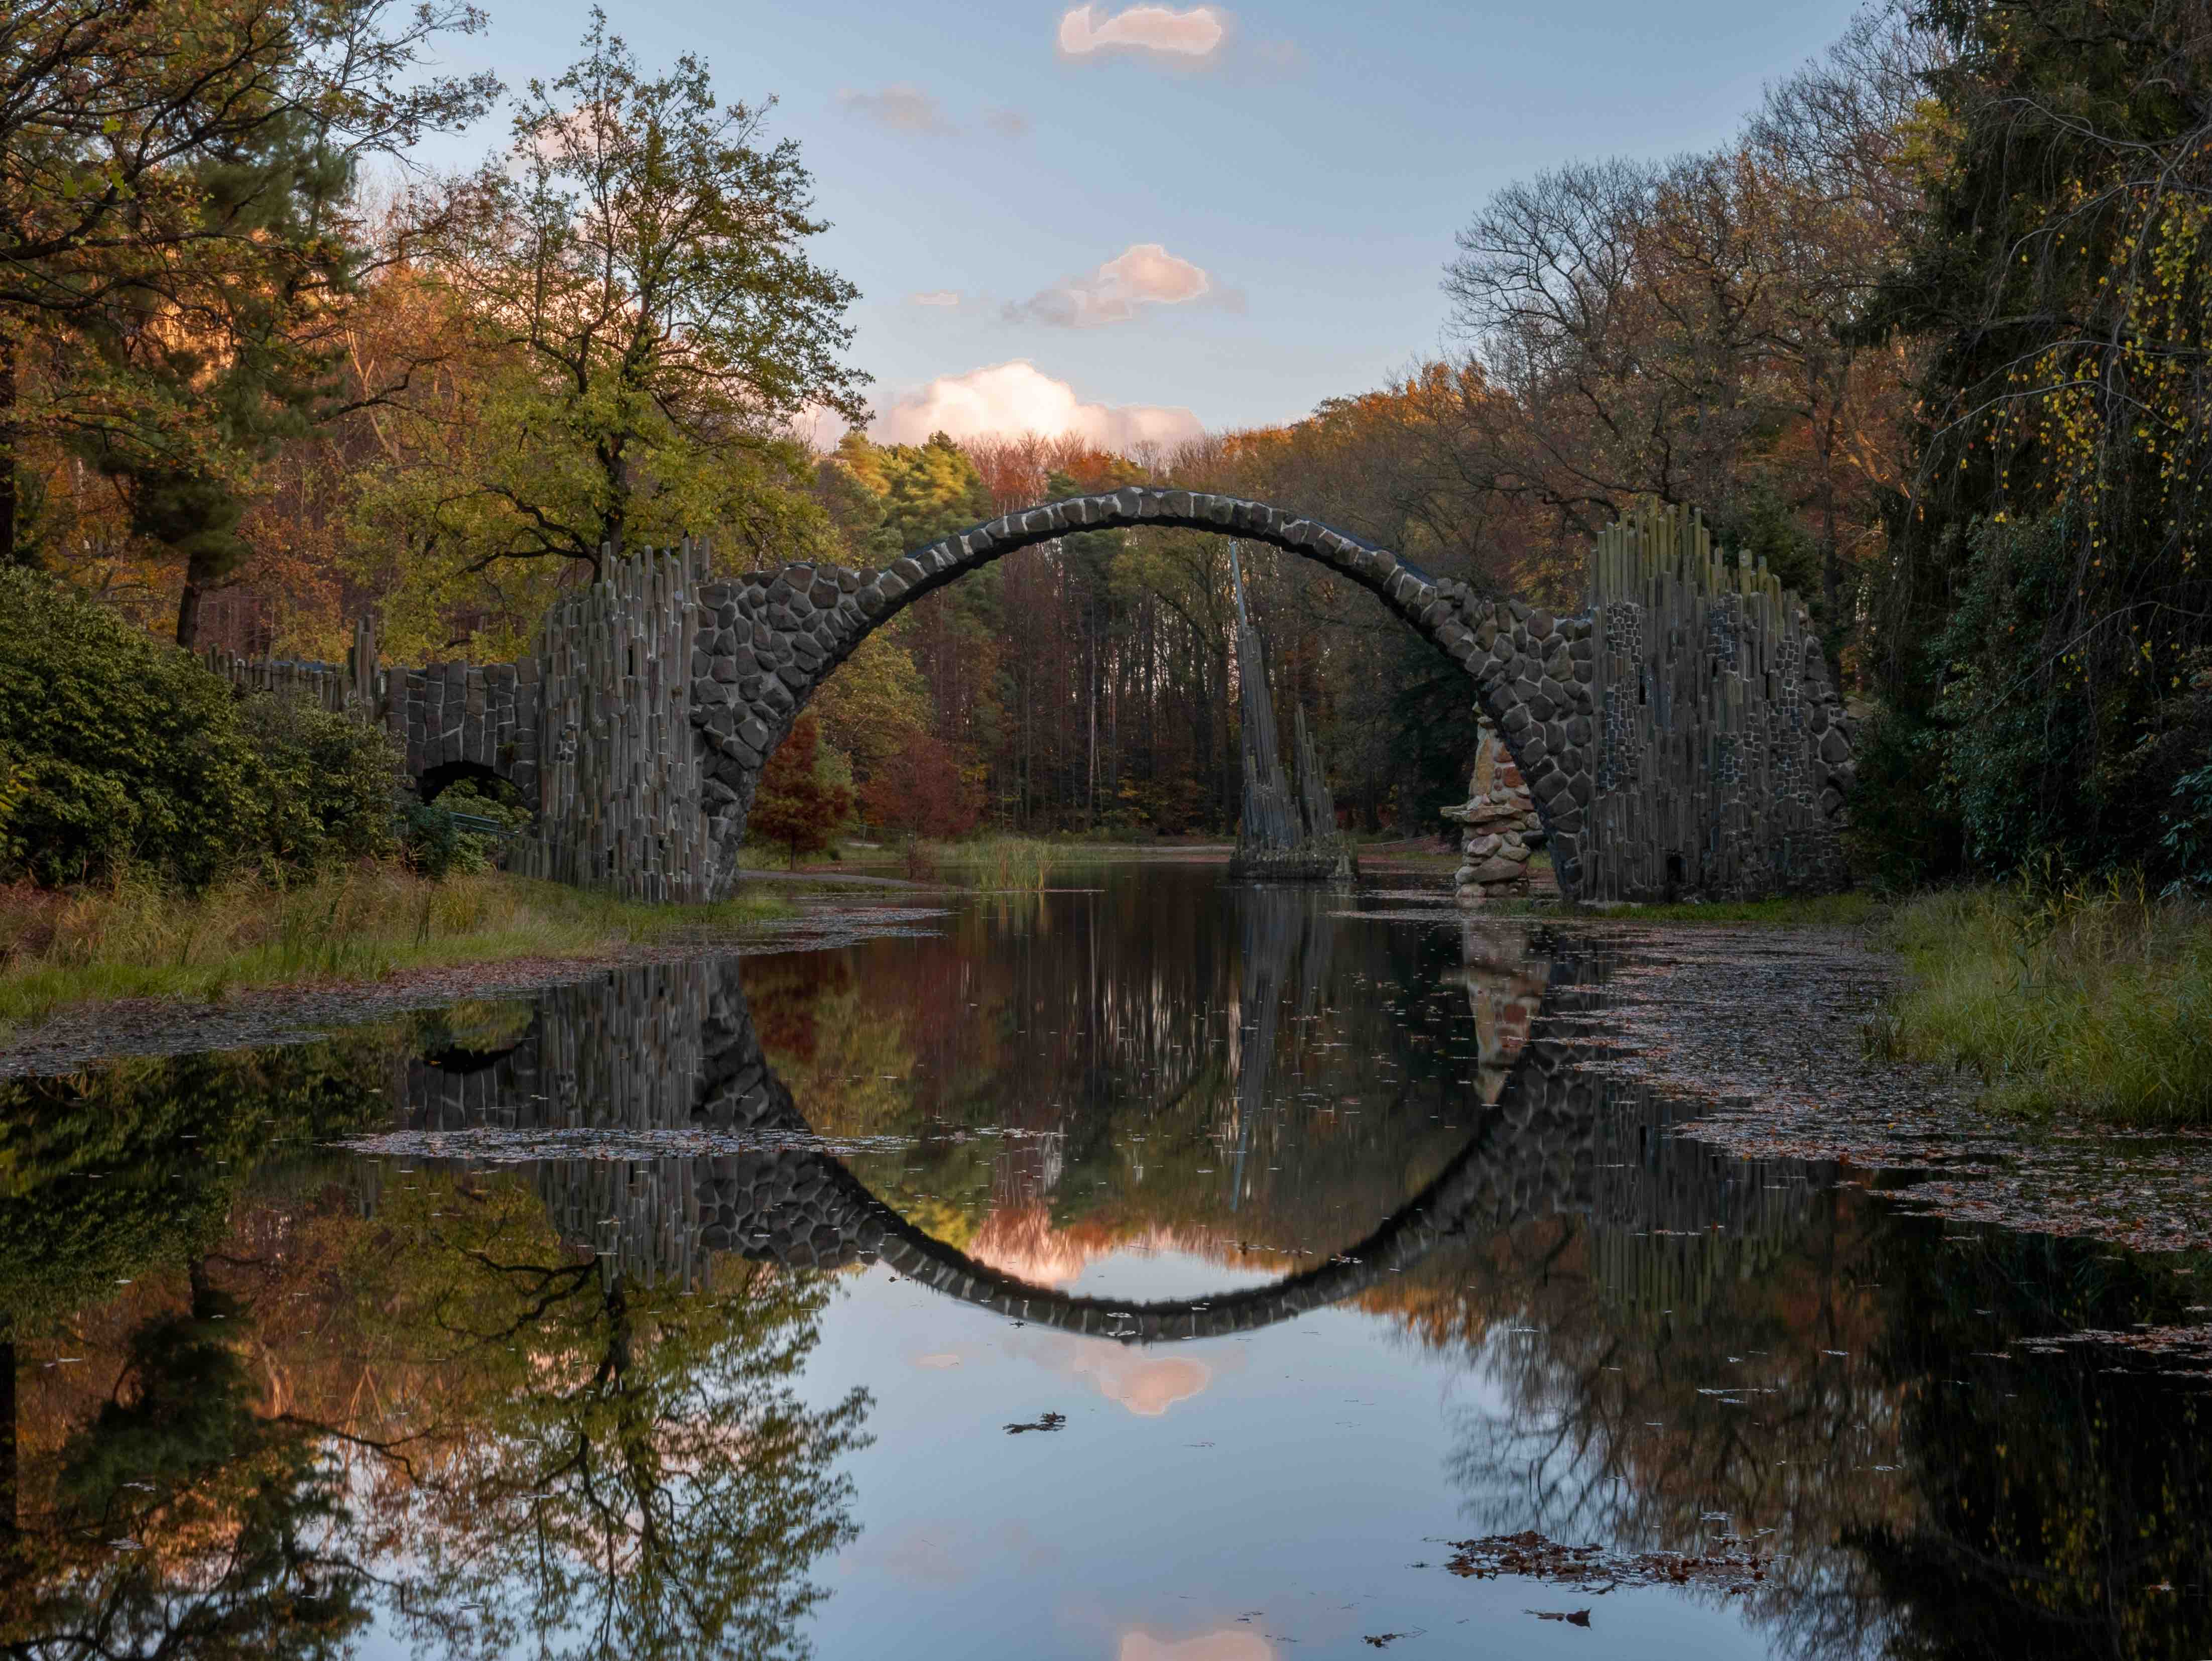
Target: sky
1138, 221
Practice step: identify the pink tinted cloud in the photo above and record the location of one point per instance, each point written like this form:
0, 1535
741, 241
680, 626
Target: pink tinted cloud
1145, 274
900, 107
1008, 399
1192, 36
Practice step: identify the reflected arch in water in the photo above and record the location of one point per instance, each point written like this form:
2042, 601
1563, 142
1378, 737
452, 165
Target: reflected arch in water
1526, 1157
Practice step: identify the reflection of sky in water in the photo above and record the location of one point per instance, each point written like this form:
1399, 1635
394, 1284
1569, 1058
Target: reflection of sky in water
1250, 1499
1155, 1276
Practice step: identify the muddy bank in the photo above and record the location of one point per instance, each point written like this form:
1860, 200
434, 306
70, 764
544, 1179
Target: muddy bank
1762, 1029
297, 1015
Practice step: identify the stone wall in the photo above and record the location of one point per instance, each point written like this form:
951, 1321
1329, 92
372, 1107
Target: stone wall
619, 804
1722, 758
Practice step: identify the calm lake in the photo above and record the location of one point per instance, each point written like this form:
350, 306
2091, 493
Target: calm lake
1149, 1269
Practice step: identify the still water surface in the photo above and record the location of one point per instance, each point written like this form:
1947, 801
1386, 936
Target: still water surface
1152, 1268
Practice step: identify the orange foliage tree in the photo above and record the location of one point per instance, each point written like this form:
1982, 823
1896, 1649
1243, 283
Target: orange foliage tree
922, 791
796, 808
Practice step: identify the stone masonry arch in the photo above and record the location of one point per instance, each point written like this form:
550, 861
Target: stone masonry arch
769, 641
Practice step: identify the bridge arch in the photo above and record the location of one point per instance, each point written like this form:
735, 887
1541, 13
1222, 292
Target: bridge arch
769, 641
1527, 1157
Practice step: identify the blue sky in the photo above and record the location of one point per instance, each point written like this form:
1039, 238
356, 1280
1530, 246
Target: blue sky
1300, 181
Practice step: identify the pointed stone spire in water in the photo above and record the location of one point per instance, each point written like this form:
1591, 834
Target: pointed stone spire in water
1284, 835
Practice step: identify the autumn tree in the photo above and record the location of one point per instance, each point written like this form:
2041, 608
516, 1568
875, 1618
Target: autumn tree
921, 791
648, 321
174, 185
796, 807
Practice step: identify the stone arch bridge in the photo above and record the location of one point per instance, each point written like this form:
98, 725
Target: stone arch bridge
1681, 733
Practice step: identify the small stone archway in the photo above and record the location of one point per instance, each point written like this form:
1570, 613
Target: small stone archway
769, 641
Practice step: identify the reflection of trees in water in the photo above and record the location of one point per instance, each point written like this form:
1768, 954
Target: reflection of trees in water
157, 1511
2064, 1498
1810, 1368
1176, 1057
442, 1410
642, 1481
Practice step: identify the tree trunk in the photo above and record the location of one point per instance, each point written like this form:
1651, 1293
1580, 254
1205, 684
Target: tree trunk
8, 1513
188, 612
8, 508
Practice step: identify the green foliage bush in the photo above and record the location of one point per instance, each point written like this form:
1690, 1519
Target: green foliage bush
441, 844
118, 752
325, 789
1904, 831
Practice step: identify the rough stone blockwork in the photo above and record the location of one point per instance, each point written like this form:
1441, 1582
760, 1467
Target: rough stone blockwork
769, 639
1723, 754
619, 802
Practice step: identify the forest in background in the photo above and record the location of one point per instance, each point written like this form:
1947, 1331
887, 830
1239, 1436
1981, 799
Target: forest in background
1928, 336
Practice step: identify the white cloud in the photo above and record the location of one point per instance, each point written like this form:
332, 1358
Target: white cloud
1008, 124
1192, 36
1011, 399
935, 297
1144, 274
903, 108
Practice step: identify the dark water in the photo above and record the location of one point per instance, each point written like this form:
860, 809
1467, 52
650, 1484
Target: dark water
1164, 1271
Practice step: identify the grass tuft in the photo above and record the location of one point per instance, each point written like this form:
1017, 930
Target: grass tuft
137, 938
2095, 998
1017, 863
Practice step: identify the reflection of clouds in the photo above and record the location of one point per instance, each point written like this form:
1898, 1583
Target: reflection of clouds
1024, 1242
1146, 1385
1231, 1646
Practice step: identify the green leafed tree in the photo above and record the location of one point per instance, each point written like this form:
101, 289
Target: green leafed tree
648, 322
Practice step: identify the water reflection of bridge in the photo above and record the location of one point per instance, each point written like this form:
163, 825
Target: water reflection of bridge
675, 1047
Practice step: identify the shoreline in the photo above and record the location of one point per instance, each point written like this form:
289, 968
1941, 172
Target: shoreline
302, 1012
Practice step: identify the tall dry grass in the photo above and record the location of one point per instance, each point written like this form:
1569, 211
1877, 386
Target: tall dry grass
137, 938
1018, 864
2089, 997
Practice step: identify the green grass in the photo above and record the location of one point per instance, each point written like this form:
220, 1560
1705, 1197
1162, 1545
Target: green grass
2095, 999
138, 939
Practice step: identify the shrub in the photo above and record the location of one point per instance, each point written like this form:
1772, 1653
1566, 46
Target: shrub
440, 845
116, 750
325, 789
